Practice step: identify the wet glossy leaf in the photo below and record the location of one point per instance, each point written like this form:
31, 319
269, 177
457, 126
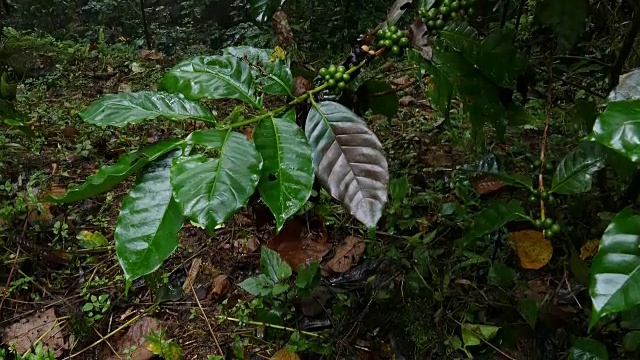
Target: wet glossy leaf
495, 216
287, 173
263, 10
111, 175
588, 349
210, 190
618, 128
91, 240
214, 77
274, 77
273, 266
575, 172
628, 88
615, 270
147, 227
134, 108
379, 97
567, 18
349, 160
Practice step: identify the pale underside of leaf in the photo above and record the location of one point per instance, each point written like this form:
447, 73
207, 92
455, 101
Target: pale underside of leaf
349, 160
147, 227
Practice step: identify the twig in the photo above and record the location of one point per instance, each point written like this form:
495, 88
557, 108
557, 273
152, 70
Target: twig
11, 273
543, 147
215, 338
256, 323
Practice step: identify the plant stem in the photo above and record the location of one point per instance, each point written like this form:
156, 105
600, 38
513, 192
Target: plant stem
292, 103
147, 35
625, 50
268, 325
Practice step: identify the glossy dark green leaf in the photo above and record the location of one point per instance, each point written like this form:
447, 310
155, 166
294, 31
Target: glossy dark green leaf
287, 174
618, 128
567, 18
259, 285
133, 108
628, 88
379, 97
147, 227
588, 349
273, 77
495, 216
615, 270
528, 308
214, 77
349, 160
111, 175
210, 190
575, 172
489, 165
440, 89
273, 266
263, 10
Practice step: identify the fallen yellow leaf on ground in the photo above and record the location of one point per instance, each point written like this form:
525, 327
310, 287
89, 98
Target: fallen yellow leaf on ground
533, 250
589, 249
284, 354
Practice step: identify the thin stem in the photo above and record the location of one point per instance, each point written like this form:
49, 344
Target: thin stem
543, 147
268, 325
291, 104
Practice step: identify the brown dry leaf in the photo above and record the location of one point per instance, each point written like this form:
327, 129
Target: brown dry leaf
438, 160
284, 354
191, 276
124, 88
151, 54
40, 326
486, 185
406, 100
301, 85
347, 255
589, 249
401, 81
135, 337
248, 132
298, 246
284, 35
533, 250
220, 287
69, 132
248, 245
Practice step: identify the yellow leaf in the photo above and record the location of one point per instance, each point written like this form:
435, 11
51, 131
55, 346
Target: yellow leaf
533, 250
589, 249
284, 354
278, 53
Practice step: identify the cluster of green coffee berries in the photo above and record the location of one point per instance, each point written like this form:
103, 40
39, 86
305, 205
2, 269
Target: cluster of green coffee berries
392, 39
550, 228
436, 18
335, 77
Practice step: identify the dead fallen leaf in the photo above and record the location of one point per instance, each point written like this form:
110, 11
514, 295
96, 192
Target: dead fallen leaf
301, 85
135, 337
219, 288
248, 132
69, 132
191, 276
40, 326
284, 354
406, 100
533, 250
401, 81
151, 54
589, 249
124, 88
284, 35
248, 245
438, 160
486, 185
296, 245
347, 255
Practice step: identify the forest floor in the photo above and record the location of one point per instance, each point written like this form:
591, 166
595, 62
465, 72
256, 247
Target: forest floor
405, 291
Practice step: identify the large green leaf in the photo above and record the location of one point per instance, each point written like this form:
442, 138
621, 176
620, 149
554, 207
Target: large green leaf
111, 175
618, 128
615, 271
274, 77
493, 217
489, 166
567, 18
215, 77
147, 228
440, 89
575, 172
349, 160
496, 57
287, 173
210, 190
588, 349
133, 108
263, 10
